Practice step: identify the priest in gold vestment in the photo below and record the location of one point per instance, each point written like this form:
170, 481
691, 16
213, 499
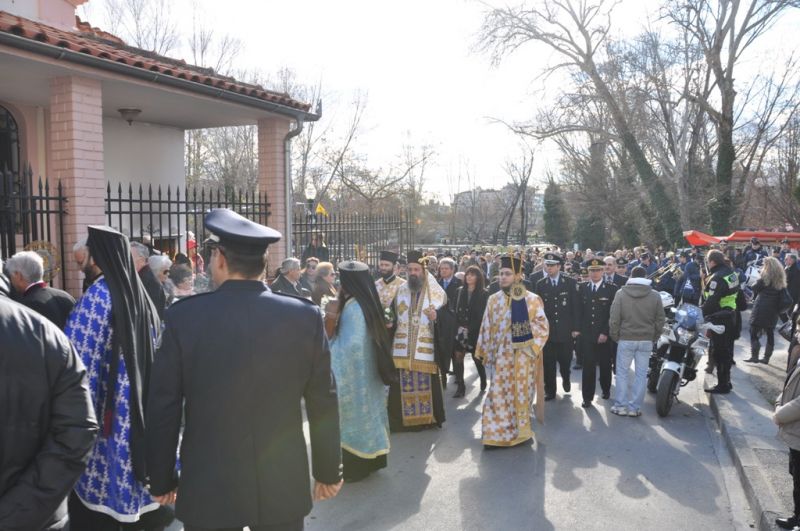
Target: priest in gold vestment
416, 398
512, 336
388, 283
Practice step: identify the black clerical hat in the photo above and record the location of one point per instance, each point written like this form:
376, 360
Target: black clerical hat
389, 256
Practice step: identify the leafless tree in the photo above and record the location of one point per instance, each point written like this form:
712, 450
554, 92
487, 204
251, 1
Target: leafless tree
146, 24
725, 29
577, 30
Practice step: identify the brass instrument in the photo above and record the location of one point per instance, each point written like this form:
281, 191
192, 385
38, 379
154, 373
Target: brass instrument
673, 269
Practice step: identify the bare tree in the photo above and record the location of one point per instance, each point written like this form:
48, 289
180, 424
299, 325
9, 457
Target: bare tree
146, 24
577, 31
724, 30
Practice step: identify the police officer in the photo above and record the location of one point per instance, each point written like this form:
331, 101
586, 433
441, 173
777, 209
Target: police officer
559, 294
240, 360
594, 300
719, 307
687, 289
610, 275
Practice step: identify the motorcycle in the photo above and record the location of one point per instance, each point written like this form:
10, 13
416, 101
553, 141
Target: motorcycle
752, 274
682, 345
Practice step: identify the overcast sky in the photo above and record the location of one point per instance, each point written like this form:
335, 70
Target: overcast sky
416, 62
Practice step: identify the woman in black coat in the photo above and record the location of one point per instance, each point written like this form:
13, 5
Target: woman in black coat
470, 306
768, 293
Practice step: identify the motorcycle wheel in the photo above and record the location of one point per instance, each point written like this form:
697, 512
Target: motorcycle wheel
665, 392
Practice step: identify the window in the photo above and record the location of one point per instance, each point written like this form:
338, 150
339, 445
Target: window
9, 151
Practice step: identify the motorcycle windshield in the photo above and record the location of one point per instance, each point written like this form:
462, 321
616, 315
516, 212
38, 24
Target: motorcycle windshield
689, 316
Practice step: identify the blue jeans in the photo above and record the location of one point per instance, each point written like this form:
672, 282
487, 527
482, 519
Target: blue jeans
637, 352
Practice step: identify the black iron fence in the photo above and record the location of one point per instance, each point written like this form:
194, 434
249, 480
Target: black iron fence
31, 217
162, 215
352, 236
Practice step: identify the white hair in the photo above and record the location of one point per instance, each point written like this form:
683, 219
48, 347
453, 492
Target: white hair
289, 264
159, 262
140, 250
28, 264
79, 245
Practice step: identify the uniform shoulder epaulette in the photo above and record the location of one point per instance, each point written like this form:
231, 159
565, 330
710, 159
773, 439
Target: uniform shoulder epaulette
191, 297
296, 297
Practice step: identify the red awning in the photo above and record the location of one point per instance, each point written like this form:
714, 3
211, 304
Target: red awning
699, 239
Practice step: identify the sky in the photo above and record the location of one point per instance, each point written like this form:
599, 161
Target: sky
416, 61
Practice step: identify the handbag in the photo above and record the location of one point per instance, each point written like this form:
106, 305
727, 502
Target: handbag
785, 330
786, 300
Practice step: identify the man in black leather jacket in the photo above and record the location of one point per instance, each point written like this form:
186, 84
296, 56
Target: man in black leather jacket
47, 421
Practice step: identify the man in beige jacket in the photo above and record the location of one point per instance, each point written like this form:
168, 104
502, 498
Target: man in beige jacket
787, 417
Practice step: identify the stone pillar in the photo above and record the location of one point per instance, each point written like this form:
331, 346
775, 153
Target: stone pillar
272, 180
76, 158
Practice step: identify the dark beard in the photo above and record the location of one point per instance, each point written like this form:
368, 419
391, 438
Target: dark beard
387, 276
414, 283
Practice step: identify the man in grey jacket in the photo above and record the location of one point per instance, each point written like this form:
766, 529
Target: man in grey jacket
637, 318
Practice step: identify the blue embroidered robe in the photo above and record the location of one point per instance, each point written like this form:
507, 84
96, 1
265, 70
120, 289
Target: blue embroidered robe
363, 417
108, 485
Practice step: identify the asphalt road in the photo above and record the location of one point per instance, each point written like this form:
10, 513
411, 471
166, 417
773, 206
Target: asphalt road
588, 469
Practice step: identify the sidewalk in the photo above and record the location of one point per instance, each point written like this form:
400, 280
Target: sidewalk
745, 420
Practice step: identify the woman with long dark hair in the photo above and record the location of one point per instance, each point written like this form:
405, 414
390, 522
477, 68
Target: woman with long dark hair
362, 362
470, 305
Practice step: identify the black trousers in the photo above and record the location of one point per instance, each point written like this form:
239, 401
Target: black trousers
556, 353
722, 345
296, 525
596, 355
794, 470
755, 337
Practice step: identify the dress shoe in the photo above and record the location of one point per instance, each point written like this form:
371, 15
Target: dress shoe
719, 390
566, 386
461, 391
606, 396
586, 404
789, 522
547, 398
752, 359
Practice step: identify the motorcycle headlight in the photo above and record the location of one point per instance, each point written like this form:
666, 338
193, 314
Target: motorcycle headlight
683, 336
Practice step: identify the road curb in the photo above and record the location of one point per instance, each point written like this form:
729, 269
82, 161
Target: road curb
744, 421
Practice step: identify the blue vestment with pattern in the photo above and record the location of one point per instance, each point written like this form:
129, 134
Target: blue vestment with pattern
108, 484
363, 417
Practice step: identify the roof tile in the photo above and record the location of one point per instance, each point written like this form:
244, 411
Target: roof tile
103, 45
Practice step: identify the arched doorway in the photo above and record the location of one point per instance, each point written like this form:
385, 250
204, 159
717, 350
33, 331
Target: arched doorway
9, 145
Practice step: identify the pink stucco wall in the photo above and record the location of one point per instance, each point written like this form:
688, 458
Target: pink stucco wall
76, 130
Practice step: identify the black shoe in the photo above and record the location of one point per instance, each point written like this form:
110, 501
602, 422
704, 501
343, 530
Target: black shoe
606, 396
719, 390
566, 386
787, 523
460, 392
483, 385
586, 404
547, 398
752, 359
765, 361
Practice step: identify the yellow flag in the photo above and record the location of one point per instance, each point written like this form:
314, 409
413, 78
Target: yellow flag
321, 210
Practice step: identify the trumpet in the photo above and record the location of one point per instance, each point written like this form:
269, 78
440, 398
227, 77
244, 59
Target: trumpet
669, 269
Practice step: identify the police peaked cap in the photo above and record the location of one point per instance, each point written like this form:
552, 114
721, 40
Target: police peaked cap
553, 259
594, 263
230, 229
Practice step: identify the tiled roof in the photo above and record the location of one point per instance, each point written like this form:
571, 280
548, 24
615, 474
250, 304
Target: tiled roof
103, 45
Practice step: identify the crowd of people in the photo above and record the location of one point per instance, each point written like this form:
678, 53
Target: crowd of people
149, 391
